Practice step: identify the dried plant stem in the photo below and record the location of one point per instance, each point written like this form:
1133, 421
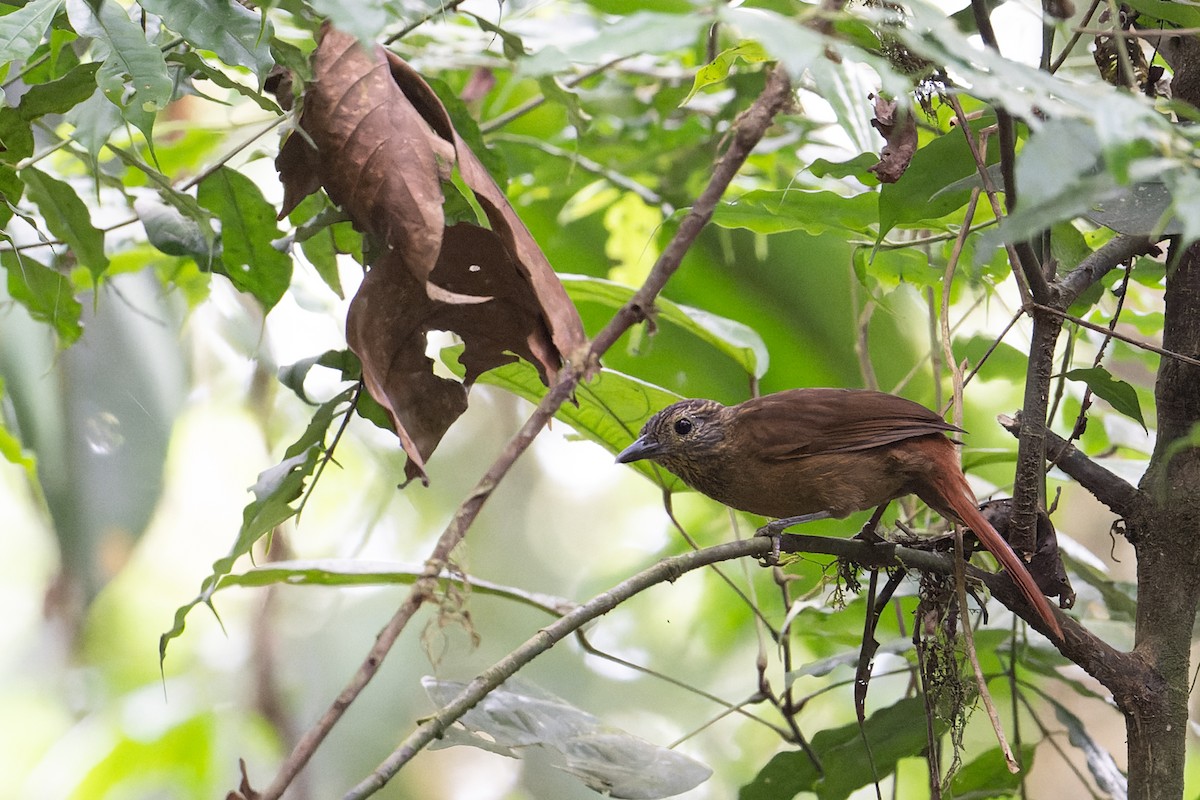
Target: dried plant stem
749, 130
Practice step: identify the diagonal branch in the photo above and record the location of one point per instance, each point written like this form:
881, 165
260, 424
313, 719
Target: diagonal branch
749, 130
1114, 491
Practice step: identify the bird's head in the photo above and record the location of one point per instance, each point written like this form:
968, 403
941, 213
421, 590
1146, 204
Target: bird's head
683, 431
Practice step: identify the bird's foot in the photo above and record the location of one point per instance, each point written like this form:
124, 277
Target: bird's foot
775, 528
868, 533
774, 533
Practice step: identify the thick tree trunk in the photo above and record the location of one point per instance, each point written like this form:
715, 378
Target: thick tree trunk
1165, 533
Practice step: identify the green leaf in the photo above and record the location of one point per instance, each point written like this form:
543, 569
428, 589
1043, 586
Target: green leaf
67, 218
918, 196
14, 453
134, 73
988, 776
795, 46
175, 233
609, 410
776, 211
1181, 14
718, 69
1117, 393
319, 222
60, 95
239, 36
738, 341
857, 167
293, 375
94, 120
356, 572
275, 492
890, 268
12, 188
363, 19
22, 31
1004, 361
191, 61
16, 135
247, 230
639, 32
894, 732
46, 294
513, 47
622, 7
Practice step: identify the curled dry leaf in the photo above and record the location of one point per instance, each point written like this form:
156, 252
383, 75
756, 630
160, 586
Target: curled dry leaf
901, 140
1046, 566
378, 139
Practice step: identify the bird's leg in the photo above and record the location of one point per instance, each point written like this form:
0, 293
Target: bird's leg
774, 528
868, 534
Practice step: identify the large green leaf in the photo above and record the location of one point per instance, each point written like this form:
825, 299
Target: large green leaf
195, 65
67, 218
793, 44
22, 30
739, 342
61, 94
814, 212
47, 295
894, 732
987, 775
639, 32
239, 36
921, 194
134, 74
247, 230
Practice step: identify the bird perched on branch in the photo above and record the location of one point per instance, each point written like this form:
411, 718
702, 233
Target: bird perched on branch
808, 454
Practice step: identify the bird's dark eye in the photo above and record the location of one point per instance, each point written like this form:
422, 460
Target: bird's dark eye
683, 426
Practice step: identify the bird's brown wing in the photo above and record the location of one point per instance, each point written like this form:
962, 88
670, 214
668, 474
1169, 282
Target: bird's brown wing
805, 422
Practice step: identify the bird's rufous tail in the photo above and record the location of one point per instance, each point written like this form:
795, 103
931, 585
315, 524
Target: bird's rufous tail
955, 493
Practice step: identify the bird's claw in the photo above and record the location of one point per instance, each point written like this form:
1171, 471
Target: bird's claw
772, 532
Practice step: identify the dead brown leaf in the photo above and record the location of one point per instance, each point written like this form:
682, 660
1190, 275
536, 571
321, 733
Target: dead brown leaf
1046, 566
901, 140
384, 144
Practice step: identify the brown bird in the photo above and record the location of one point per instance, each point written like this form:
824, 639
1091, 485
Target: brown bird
809, 454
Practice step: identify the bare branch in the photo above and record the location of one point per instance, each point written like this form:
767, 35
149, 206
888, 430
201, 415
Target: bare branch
1096, 265
1107, 487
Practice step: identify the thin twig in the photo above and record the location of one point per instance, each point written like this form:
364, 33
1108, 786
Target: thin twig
529, 105
1083, 323
443, 9
648, 195
1030, 281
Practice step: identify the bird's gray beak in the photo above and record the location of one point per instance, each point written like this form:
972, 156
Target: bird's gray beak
642, 447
